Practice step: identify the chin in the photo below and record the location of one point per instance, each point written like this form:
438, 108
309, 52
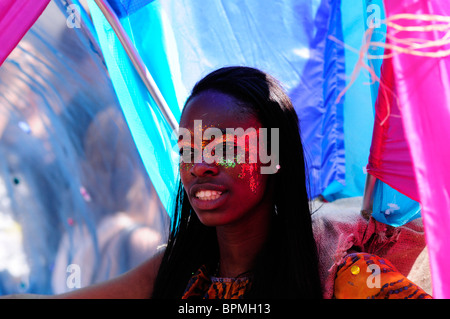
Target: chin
214, 219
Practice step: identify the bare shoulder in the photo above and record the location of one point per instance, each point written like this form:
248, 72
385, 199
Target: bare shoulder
137, 283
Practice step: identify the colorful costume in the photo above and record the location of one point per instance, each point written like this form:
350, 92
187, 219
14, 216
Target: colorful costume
359, 276
204, 286
366, 276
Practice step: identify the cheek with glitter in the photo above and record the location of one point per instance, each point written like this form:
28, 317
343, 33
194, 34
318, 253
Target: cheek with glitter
185, 167
250, 172
226, 163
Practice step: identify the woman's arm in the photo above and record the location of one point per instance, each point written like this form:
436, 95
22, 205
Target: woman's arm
137, 283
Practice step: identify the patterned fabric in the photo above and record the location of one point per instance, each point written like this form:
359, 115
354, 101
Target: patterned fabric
203, 286
366, 276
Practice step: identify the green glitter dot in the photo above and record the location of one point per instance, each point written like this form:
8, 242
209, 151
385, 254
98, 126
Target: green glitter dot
227, 163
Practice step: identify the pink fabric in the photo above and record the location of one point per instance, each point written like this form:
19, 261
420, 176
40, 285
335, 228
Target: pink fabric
423, 89
390, 159
16, 18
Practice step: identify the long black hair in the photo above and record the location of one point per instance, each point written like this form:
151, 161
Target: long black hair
287, 267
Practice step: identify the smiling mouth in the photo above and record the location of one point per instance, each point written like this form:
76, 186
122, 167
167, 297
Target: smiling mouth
208, 195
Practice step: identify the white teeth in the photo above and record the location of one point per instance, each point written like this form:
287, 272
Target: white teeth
208, 194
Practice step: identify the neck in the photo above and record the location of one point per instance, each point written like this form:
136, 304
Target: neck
240, 243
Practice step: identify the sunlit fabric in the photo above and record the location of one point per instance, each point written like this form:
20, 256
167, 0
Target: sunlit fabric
288, 40
392, 207
357, 104
89, 167
422, 66
16, 17
152, 135
395, 195
374, 16
74, 193
390, 159
126, 7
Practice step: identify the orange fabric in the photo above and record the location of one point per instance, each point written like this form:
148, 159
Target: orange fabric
366, 276
203, 286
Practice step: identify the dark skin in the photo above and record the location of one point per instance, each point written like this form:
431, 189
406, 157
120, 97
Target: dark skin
241, 215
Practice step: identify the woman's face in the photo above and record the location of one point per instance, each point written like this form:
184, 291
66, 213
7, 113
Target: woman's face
223, 191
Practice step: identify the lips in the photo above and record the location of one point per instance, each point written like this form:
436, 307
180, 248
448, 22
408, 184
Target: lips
207, 196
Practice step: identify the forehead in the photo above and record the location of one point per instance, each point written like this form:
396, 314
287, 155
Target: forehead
216, 109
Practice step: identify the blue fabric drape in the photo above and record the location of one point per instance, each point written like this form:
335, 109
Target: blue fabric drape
315, 100
126, 7
151, 133
392, 207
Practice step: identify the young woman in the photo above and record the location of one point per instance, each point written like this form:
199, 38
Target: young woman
254, 234
236, 232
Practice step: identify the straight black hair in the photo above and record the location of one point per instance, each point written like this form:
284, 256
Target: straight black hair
287, 267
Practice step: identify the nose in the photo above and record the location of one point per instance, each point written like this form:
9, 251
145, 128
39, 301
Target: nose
204, 169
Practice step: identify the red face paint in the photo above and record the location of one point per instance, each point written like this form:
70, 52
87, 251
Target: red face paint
221, 187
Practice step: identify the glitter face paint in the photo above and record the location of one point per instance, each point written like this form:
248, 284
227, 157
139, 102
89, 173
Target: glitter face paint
225, 185
229, 151
250, 171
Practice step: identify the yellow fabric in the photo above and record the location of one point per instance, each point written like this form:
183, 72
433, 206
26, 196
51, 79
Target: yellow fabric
366, 276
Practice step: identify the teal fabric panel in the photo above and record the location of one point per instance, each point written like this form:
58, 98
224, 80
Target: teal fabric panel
359, 101
148, 127
392, 207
